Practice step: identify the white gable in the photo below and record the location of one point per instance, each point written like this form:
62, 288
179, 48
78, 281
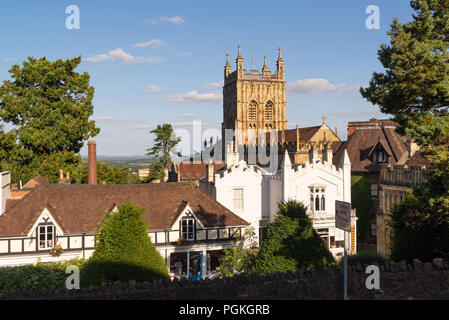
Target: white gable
45, 217
187, 213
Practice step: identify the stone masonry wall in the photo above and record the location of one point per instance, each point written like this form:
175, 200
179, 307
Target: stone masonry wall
397, 281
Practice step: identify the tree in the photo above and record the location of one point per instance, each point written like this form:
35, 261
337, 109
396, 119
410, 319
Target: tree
124, 250
292, 243
415, 89
49, 105
162, 150
363, 203
111, 174
237, 258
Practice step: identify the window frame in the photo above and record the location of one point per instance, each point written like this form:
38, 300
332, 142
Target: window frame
317, 198
46, 233
187, 221
234, 199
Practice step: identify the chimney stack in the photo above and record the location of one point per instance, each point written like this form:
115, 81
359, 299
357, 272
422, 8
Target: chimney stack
92, 161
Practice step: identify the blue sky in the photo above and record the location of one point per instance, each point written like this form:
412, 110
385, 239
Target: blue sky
154, 62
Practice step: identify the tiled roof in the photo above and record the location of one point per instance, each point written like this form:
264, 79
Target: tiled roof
305, 134
418, 160
193, 171
36, 181
364, 139
80, 208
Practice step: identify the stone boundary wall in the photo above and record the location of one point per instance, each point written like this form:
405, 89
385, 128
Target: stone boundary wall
397, 281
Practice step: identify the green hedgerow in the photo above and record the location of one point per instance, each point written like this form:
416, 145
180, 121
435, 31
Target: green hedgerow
124, 250
49, 275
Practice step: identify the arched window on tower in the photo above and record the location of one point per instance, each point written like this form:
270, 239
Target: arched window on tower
269, 111
252, 111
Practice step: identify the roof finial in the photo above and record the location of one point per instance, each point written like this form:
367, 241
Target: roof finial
280, 55
227, 58
324, 119
240, 54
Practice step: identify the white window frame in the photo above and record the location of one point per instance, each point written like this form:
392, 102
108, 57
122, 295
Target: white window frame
47, 243
241, 200
189, 235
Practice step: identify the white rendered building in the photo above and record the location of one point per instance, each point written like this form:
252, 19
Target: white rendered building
254, 194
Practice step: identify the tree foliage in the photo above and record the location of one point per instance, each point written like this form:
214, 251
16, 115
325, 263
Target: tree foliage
415, 89
292, 243
49, 105
363, 203
239, 257
162, 150
111, 174
124, 250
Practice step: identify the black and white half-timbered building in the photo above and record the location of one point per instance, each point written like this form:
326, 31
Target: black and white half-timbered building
189, 228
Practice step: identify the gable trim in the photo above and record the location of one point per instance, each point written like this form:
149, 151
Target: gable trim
45, 211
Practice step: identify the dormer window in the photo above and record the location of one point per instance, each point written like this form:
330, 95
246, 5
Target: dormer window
46, 236
188, 229
381, 156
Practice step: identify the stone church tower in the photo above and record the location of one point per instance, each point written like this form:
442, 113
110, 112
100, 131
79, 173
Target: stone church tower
254, 99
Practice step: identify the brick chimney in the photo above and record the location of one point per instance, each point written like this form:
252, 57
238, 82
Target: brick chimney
92, 161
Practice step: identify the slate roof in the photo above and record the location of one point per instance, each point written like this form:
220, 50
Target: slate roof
80, 208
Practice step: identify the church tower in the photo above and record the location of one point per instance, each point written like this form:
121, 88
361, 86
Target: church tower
254, 99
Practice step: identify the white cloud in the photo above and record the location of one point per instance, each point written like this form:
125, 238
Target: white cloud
186, 115
194, 96
155, 43
175, 20
122, 56
154, 88
184, 54
312, 86
109, 119
214, 85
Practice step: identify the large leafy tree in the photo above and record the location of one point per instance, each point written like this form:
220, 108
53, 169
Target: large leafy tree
414, 88
48, 105
124, 250
162, 150
292, 243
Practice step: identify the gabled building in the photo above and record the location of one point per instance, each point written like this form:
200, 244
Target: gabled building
182, 221
254, 194
375, 150
189, 228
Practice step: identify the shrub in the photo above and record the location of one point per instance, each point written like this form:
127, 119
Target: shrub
292, 243
364, 257
50, 275
124, 250
418, 231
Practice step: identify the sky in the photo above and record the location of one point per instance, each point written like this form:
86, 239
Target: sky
154, 62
